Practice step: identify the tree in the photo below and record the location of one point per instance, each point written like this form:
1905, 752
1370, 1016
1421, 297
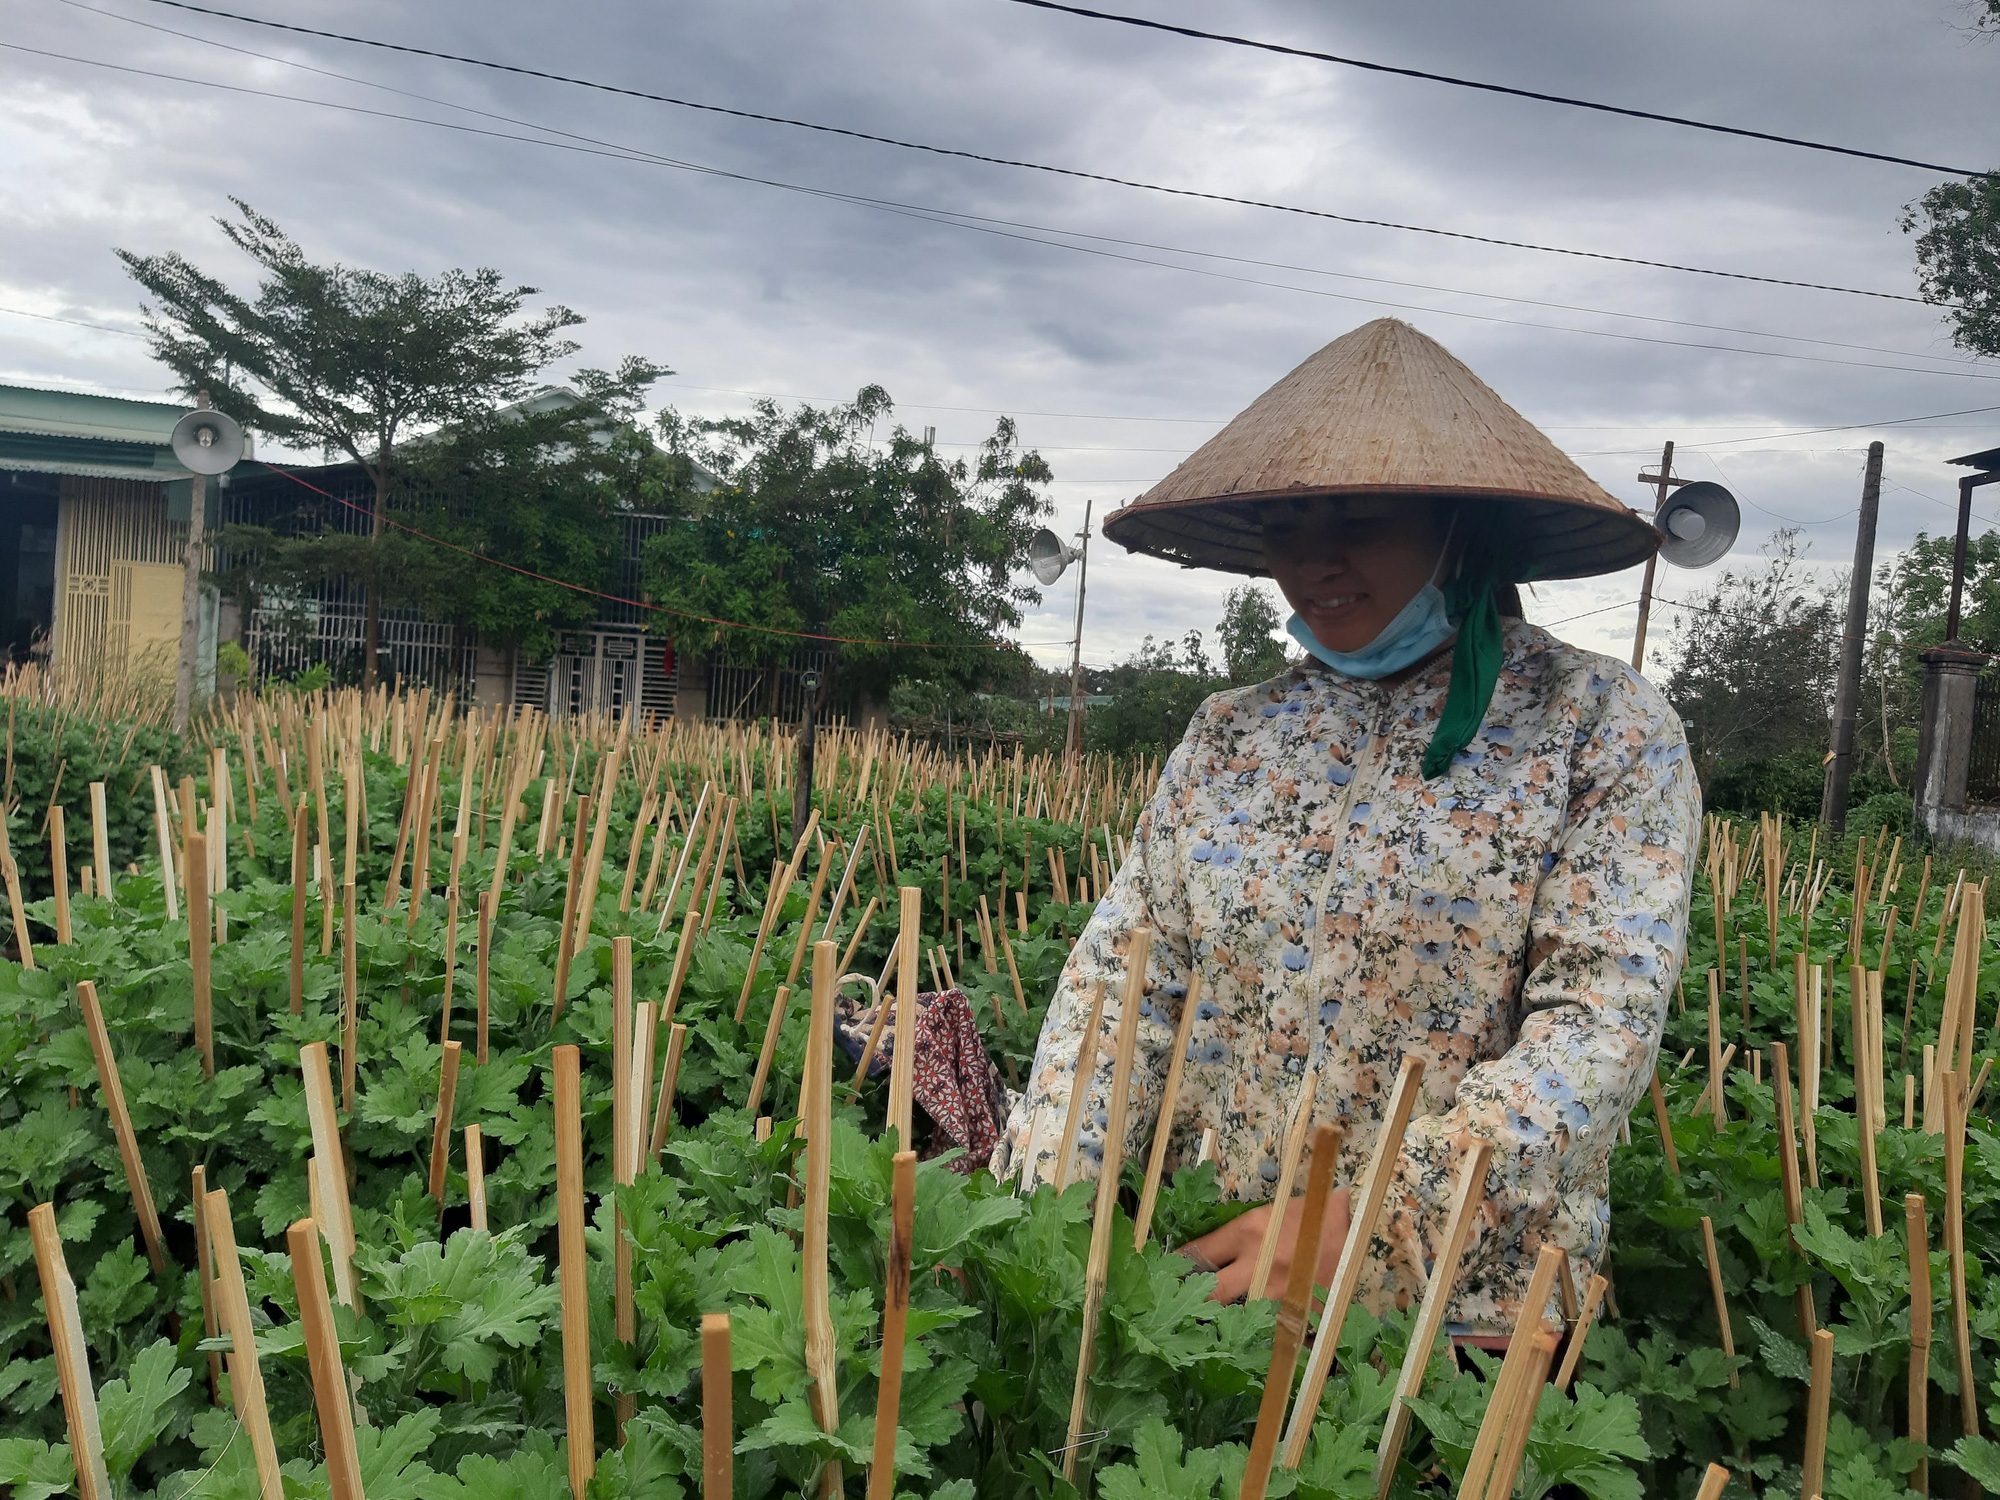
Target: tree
1154, 693
816, 528
1756, 660
1957, 225
349, 360
1251, 650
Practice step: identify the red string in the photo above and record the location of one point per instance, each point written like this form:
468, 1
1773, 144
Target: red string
804, 635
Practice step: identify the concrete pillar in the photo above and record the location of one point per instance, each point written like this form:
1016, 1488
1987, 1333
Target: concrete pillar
1951, 678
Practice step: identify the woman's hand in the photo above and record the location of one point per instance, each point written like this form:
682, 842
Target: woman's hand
1231, 1251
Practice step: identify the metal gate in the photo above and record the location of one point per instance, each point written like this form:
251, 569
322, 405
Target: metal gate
602, 671
1982, 770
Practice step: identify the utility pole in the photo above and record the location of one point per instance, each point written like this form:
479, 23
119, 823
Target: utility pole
190, 595
1073, 741
802, 789
1661, 482
1847, 696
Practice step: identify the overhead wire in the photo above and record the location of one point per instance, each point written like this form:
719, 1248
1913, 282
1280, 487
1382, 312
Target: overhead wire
1018, 163
1537, 95
950, 218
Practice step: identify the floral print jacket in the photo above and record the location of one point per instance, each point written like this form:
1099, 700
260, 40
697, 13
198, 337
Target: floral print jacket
1517, 924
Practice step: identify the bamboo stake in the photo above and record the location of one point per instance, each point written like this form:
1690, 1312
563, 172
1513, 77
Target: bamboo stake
1713, 1483
663, 1108
1721, 1302
563, 945
100, 840
1580, 1331
113, 1089
570, 1254
1281, 1196
475, 1175
1917, 1242
1718, 1107
1665, 1127
1809, 1060
593, 869
718, 1438
329, 1376
167, 882
816, 1118
1949, 1086
72, 1356
1521, 1416
335, 1217
1292, 1314
350, 1003
1513, 1371
1788, 1161
770, 1047
205, 1274
200, 933
1098, 1267
645, 1026
1163, 1125
482, 968
450, 959
441, 1129
246, 1377
59, 870
298, 913
1080, 1081
903, 1061
1366, 1210
1465, 1203
1817, 1401
895, 1315
811, 916
774, 902
1866, 1079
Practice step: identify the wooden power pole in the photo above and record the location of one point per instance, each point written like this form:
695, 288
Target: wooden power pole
1847, 695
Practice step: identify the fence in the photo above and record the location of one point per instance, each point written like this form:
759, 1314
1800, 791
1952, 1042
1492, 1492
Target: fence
1982, 771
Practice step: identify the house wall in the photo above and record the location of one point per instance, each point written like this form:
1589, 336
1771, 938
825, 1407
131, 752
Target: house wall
118, 579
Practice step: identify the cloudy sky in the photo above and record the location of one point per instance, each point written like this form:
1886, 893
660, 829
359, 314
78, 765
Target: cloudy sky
1119, 326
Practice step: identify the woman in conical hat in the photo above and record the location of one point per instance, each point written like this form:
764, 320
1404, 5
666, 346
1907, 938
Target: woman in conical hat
1444, 835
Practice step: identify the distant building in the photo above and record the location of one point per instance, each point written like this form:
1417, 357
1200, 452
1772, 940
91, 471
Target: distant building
93, 529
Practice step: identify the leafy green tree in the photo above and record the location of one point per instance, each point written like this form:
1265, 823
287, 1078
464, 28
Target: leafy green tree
1957, 225
351, 361
818, 527
1154, 693
1755, 660
1251, 650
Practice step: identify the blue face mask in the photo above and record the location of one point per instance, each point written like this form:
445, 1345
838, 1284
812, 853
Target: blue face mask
1420, 627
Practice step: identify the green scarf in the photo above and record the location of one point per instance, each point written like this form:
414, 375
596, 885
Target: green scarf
1475, 669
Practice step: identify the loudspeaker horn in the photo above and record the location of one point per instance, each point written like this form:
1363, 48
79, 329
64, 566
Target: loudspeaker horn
1050, 556
208, 441
1697, 524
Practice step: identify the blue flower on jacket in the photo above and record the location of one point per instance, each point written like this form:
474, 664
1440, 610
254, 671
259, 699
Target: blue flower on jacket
1207, 1010
1548, 861
1267, 1169
1637, 965
1215, 1051
1202, 852
1237, 817
1464, 909
1431, 953
1229, 856
1339, 774
1295, 958
1361, 812
1329, 1012
1528, 1130
1430, 903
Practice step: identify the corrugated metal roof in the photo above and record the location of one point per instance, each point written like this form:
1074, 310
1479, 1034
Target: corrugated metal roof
97, 437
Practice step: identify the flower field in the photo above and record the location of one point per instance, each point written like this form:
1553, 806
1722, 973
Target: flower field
401, 1102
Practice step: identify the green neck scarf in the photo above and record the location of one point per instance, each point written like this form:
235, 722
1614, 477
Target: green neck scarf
1475, 669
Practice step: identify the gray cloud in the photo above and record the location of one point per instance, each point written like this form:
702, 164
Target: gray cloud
750, 288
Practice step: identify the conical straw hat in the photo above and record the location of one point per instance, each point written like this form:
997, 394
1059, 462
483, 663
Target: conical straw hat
1382, 410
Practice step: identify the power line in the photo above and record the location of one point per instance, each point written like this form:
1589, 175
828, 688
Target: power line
1016, 162
1077, 234
953, 219
1490, 88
